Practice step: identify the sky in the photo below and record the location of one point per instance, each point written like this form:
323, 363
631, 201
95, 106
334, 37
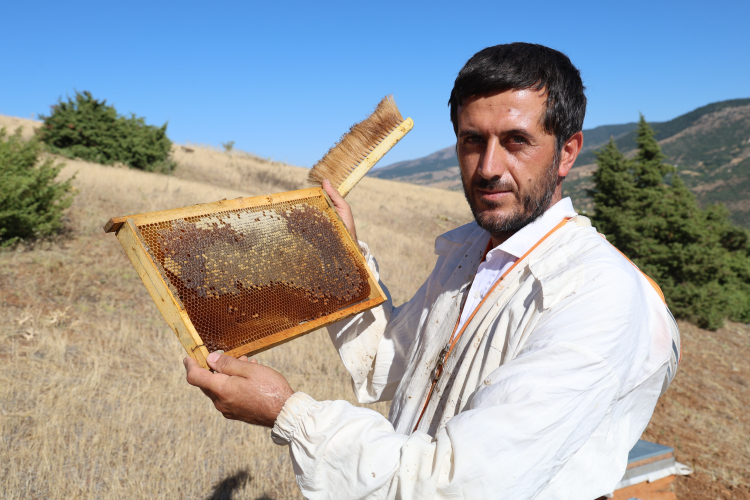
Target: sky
284, 80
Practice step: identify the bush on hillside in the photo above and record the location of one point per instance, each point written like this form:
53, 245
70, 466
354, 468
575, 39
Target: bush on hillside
31, 201
700, 260
86, 128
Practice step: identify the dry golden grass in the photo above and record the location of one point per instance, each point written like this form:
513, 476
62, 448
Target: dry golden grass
11, 123
236, 170
93, 401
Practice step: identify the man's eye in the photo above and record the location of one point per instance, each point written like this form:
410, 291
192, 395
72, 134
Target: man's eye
473, 139
517, 139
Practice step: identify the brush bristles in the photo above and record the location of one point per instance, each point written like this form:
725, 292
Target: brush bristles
356, 144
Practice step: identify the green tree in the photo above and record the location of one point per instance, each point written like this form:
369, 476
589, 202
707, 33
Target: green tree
699, 259
31, 200
86, 128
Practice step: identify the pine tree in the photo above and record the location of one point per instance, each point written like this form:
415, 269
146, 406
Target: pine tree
700, 260
90, 129
32, 201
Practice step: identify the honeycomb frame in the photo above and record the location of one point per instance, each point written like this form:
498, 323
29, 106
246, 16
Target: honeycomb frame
248, 274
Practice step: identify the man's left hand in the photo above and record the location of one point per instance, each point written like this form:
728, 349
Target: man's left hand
241, 389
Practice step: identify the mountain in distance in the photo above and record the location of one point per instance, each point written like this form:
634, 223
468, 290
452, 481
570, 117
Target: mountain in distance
710, 146
440, 169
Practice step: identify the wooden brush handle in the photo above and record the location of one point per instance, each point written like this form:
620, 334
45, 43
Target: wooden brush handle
375, 156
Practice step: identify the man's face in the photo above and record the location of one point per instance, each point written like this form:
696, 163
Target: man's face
508, 163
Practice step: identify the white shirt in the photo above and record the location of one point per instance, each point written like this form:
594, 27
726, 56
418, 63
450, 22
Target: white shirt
500, 258
551, 384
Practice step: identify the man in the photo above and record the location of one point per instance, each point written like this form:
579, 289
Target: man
528, 364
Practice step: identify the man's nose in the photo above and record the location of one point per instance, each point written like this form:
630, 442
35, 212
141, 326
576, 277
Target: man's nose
492, 163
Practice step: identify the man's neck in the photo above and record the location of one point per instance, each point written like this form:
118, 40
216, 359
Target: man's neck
499, 239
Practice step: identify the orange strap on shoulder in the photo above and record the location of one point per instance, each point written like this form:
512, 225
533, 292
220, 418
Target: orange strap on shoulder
648, 278
455, 337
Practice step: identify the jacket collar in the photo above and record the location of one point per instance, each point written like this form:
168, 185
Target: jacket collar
516, 245
525, 238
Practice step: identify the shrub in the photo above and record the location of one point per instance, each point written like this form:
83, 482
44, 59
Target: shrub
86, 128
700, 260
31, 201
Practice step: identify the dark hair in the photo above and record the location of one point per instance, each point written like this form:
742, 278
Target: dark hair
518, 66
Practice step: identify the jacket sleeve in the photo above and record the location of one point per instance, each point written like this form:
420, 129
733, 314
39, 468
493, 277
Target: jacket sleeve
530, 416
375, 345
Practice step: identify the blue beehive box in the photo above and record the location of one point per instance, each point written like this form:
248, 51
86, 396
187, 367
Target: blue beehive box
647, 463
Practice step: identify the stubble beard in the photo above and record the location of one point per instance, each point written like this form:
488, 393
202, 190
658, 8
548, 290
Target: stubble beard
533, 203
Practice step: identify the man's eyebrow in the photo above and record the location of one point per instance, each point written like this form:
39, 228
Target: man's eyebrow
518, 131
468, 132
505, 133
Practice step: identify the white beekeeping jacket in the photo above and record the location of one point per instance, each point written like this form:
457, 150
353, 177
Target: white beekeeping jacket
552, 382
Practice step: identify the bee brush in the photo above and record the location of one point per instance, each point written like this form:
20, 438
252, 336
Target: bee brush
362, 147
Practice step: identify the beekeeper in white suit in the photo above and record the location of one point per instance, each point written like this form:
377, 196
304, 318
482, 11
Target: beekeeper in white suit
529, 363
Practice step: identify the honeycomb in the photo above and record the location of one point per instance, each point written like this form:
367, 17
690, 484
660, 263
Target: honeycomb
245, 274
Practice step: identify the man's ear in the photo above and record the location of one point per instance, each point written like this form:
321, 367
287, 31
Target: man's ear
569, 153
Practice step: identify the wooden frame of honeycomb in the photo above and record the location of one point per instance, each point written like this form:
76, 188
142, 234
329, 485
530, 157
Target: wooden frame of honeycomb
248, 274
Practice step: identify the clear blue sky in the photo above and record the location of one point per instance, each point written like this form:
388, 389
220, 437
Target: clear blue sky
285, 80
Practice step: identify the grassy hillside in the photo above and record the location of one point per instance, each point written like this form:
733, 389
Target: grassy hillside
598, 136
93, 401
704, 115
440, 169
11, 123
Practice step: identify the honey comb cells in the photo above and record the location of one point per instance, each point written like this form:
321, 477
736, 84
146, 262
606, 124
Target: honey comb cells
245, 274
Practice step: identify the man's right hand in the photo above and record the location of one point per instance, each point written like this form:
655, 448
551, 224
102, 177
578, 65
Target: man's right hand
342, 207
239, 389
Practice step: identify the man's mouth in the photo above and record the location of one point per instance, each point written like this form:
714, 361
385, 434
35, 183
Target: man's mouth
494, 195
